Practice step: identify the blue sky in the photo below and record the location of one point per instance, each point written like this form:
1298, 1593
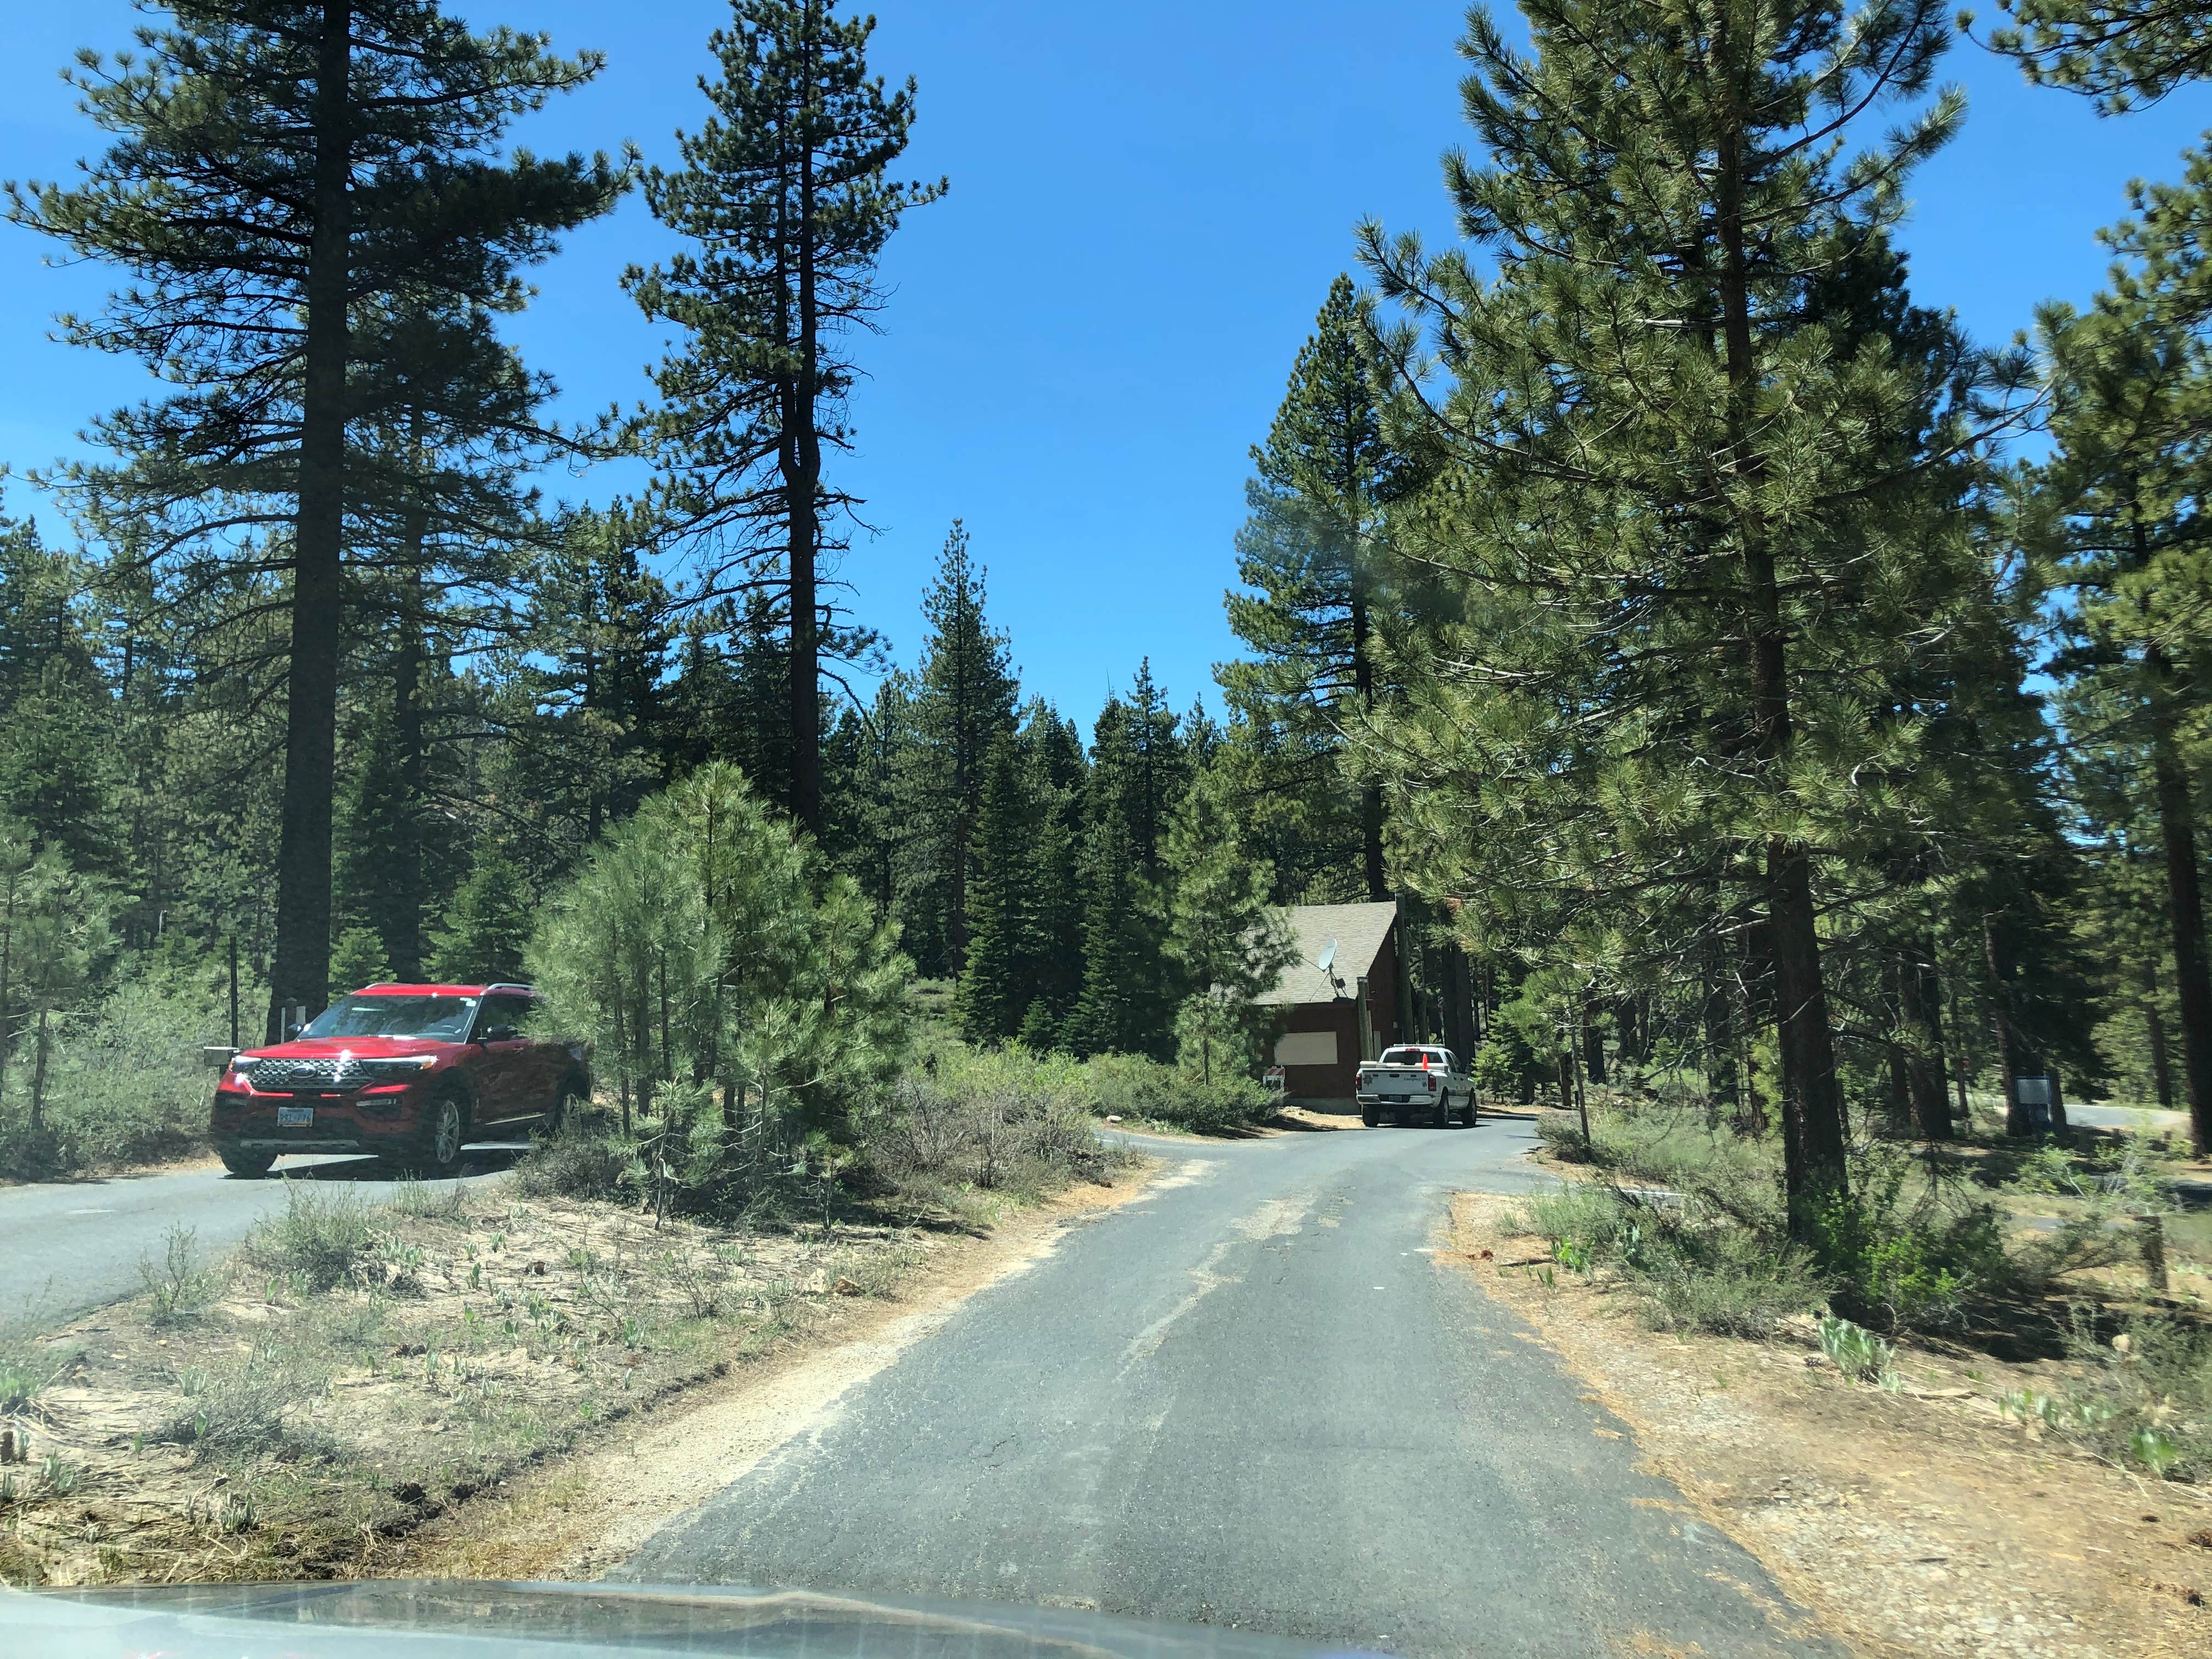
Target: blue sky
1148, 203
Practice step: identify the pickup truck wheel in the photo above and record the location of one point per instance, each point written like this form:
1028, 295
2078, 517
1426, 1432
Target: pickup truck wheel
1473, 1110
1367, 1115
1444, 1117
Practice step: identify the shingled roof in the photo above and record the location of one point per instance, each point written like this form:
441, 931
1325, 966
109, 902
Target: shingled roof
1358, 930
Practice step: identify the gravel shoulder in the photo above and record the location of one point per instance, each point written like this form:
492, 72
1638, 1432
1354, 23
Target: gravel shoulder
1920, 1521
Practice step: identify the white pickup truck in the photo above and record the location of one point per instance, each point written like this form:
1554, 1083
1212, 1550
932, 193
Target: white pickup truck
1416, 1083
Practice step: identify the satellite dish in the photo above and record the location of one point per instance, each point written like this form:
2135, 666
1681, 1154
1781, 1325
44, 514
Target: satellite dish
1327, 956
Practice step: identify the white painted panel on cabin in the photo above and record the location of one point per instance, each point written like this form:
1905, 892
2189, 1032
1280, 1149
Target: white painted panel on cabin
1306, 1048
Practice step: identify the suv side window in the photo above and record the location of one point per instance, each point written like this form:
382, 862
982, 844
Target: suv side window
503, 1009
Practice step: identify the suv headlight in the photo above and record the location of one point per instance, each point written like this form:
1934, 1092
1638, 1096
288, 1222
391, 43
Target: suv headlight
405, 1063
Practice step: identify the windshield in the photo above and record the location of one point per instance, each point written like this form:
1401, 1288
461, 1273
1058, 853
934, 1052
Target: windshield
394, 1017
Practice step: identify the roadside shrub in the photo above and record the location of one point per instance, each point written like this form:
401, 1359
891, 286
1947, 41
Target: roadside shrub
124, 1084
1130, 1086
1562, 1135
580, 1161
178, 1286
2147, 1395
1856, 1351
322, 1232
27, 1369
998, 1120
1693, 1269
246, 1411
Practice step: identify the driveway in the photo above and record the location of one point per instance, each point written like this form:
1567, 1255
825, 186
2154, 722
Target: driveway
1254, 1397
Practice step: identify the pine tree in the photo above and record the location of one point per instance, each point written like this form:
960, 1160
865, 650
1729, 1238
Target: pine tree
487, 931
1054, 777
580, 701
997, 984
57, 715
785, 194
964, 704
1311, 557
1696, 513
2126, 55
1128, 987
2131, 394
1221, 931
282, 168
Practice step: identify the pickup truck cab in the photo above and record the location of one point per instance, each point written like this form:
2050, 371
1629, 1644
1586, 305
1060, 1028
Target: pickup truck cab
1416, 1083
406, 1071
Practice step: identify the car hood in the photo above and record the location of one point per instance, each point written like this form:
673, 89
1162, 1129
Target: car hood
360, 1047
464, 1620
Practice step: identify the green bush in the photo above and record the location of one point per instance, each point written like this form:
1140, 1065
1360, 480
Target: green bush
999, 1119
124, 1083
1694, 1269
320, 1235
1130, 1086
1907, 1267
2147, 1395
580, 1161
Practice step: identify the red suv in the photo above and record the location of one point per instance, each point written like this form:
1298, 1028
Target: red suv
410, 1071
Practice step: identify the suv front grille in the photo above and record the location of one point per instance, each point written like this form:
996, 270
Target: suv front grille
344, 1073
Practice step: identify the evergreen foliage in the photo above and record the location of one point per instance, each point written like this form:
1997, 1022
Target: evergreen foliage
1221, 931
2124, 53
785, 196
300, 189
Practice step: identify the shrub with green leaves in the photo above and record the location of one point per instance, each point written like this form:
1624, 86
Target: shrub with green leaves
1130, 1086
323, 1231
582, 1160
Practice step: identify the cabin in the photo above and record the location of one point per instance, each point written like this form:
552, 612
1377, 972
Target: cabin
1339, 1003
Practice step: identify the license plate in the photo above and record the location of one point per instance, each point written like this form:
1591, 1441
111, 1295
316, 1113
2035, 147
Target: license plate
296, 1117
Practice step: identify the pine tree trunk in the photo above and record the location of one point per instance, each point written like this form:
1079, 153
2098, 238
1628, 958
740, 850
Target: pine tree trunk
40, 1047
1370, 794
403, 906
300, 970
1812, 1106
2000, 1027
2192, 984
1921, 1015
802, 485
2161, 1066
6, 981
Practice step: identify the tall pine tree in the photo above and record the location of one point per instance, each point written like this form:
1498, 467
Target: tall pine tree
785, 196
282, 169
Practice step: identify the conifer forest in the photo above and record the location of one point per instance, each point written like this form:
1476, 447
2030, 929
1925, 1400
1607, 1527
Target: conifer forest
1747, 685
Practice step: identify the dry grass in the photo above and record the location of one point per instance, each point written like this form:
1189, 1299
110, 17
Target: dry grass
350, 1375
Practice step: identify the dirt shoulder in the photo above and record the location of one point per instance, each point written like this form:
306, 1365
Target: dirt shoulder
474, 1383
1919, 1522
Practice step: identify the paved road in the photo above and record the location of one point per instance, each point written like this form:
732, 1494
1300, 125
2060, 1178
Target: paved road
1252, 1398
68, 1246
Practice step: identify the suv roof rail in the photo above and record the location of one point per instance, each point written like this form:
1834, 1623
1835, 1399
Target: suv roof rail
508, 985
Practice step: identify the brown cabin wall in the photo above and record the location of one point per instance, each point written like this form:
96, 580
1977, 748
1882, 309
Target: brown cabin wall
1338, 1083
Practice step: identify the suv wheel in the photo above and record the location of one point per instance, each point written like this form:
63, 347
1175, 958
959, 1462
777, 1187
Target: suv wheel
247, 1166
437, 1149
573, 1095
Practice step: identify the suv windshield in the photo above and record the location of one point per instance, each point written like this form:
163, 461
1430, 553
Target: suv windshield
395, 1017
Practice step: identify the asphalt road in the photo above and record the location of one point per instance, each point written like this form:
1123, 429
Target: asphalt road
68, 1246
1252, 1398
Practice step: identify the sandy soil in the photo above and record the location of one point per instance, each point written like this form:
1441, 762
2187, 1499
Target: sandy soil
1917, 1522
